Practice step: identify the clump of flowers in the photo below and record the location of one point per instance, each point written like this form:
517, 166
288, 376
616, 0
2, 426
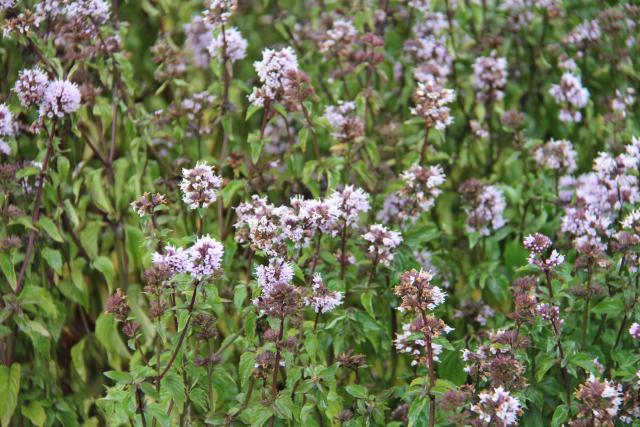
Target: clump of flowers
343, 118
7, 125
218, 12
199, 185
199, 36
147, 203
31, 86
173, 259
431, 101
571, 96
420, 190
417, 293
556, 155
322, 299
228, 43
340, 39
382, 243
281, 80
349, 203
485, 207
599, 400
497, 406
537, 245
490, 77
61, 97
634, 330
205, 257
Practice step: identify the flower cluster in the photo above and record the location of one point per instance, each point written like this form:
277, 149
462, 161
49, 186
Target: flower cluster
571, 96
497, 406
281, 80
556, 155
343, 118
322, 299
382, 242
431, 101
420, 190
340, 39
199, 36
279, 296
537, 245
202, 259
490, 77
485, 207
147, 203
599, 400
218, 12
417, 293
228, 44
60, 97
199, 185
31, 86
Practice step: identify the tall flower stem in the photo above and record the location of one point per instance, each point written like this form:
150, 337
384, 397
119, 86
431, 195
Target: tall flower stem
432, 373
276, 368
555, 323
182, 336
36, 208
425, 145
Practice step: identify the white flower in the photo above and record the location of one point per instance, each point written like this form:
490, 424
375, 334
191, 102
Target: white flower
61, 97
205, 257
199, 185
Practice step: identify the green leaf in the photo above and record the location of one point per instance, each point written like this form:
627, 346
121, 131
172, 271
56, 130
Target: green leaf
239, 295
50, 228
609, 305
34, 412
173, 384
283, 406
256, 144
98, 195
560, 416
544, 363
9, 389
357, 391
417, 411
77, 359
105, 266
53, 258
119, 377
367, 303
245, 368
7, 269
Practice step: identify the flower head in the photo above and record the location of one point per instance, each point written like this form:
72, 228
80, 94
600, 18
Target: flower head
490, 77
322, 299
497, 405
199, 185
417, 292
61, 97
431, 104
229, 43
383, 242
205, 257
7, 126
349, 203
31, 86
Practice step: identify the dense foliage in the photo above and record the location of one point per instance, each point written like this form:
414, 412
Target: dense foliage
312, 213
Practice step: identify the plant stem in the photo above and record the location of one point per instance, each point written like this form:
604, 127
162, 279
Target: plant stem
182, 337
36, 208
276, 368
425, 145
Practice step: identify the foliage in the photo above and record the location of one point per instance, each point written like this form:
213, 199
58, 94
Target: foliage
282, 212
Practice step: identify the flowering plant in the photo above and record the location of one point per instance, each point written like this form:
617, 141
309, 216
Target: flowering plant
314, 213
